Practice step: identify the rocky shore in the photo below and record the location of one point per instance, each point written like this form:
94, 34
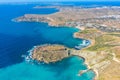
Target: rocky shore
104, 19
50, 53
99, 56
53, 53
102, 54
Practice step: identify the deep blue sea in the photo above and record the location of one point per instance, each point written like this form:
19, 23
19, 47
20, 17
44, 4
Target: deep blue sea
18, 38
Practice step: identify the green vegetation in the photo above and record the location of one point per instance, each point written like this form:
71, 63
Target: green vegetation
102, 43
88, 31
115, 34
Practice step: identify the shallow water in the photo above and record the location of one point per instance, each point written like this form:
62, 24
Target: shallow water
66, 69
17, 38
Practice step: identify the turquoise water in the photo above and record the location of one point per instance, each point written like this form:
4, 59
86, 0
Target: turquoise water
66, 69
17, 38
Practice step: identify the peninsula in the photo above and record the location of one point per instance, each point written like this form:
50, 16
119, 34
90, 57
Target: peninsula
100, 25
50, 53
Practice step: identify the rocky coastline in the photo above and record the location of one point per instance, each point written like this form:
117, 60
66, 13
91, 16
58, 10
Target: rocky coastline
96, 60
53, 53
99, 29
99, 55
49, 53
100, 21
45, 19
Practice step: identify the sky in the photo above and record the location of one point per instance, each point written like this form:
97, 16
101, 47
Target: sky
49, 0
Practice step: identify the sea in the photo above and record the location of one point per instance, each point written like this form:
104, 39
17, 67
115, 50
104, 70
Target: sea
17, 38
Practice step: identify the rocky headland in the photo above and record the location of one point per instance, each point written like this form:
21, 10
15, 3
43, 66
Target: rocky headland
105, 19
50, 53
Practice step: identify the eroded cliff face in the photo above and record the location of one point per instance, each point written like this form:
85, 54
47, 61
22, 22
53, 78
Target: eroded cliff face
50, 53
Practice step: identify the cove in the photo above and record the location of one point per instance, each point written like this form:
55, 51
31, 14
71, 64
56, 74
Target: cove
66, 69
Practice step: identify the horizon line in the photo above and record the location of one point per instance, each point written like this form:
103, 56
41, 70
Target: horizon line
57, 1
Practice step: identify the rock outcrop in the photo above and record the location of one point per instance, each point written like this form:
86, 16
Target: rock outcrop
50, 53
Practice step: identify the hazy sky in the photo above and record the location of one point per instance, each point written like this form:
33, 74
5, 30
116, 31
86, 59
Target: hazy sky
50, 0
